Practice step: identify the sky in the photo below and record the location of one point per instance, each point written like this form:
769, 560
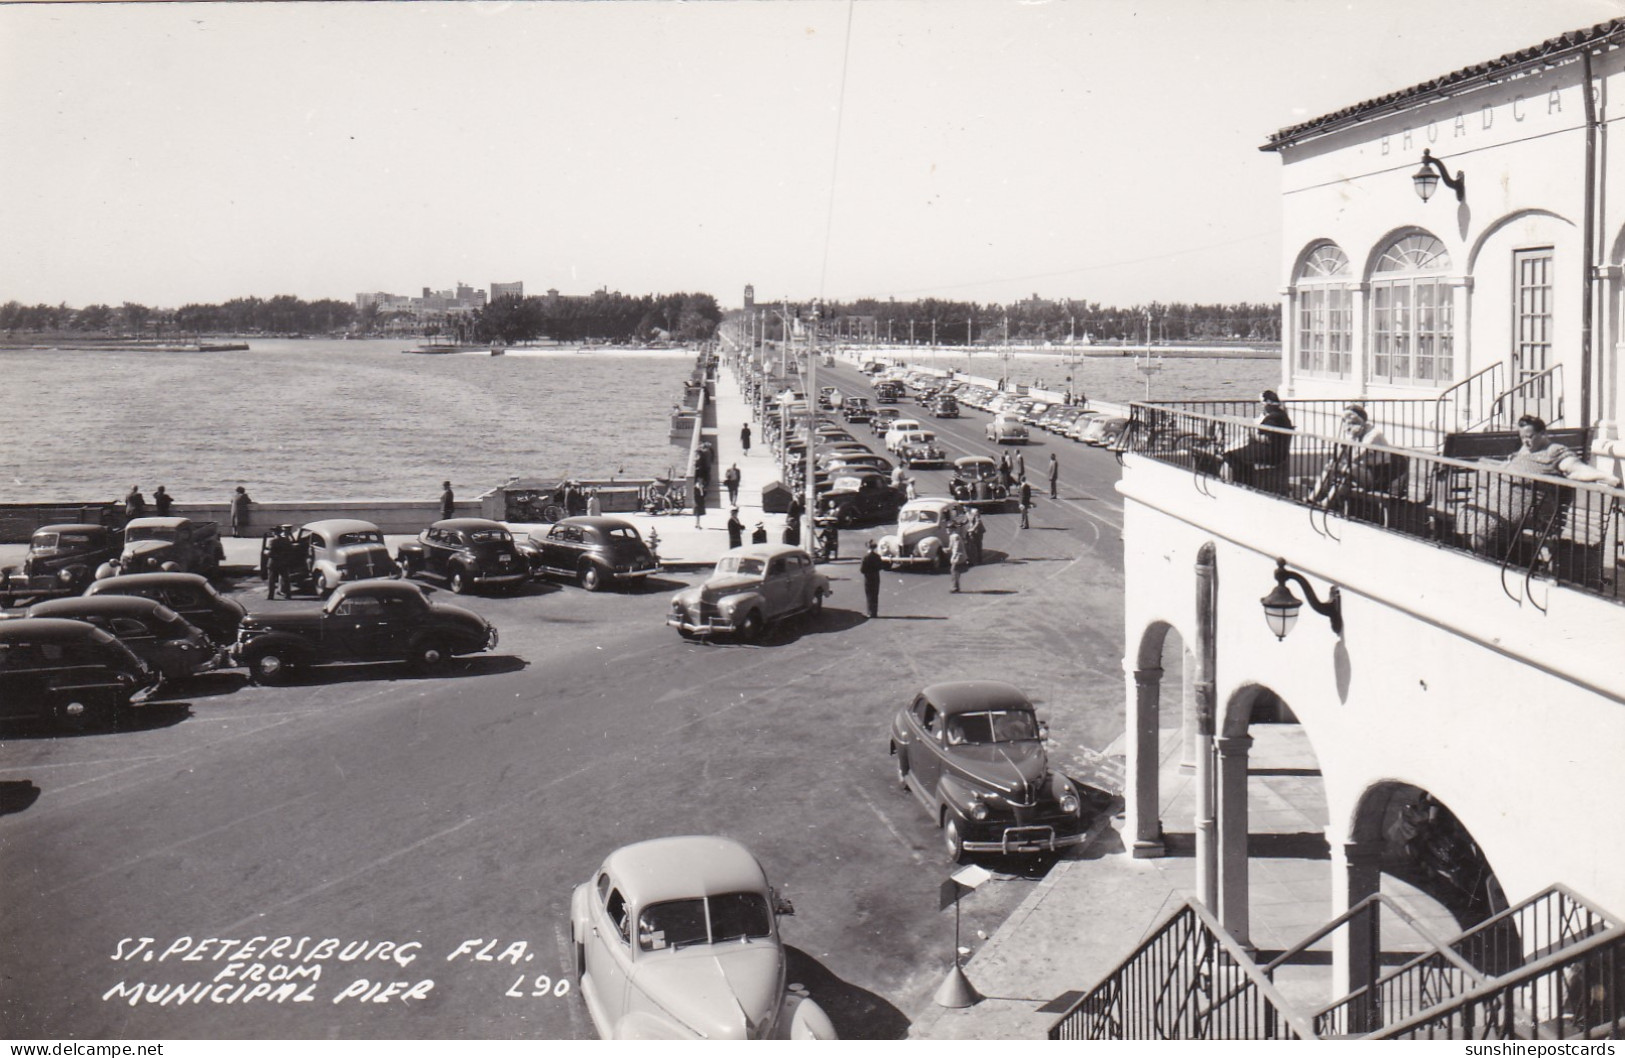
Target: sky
976, 150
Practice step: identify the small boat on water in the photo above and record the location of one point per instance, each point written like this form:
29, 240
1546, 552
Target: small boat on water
432, 347
497, 350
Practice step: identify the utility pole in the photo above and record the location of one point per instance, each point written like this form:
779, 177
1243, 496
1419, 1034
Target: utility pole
812, 431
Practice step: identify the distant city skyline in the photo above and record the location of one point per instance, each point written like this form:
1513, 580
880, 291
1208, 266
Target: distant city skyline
972, 150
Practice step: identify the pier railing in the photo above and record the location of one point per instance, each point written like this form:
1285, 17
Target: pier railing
1530, 526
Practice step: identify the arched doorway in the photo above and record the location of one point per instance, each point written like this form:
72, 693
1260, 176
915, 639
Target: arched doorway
1161, 668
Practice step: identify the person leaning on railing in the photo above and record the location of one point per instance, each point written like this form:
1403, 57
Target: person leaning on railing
1500, 505
1354, 464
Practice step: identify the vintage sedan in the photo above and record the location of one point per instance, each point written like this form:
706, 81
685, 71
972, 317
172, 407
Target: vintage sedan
919, 448
977, 482
859, 497
899, 427
367, 620
881, 420
678, 938
465, 553
888, 391
188, 594
173, 545
594, 552
973, 753
1007, 429
857, 409
944, 406
752, 587
157, 635
61, 560
344, 549
68, 672
922, 532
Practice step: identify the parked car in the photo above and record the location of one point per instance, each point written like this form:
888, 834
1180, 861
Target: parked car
69, 672
882, 419
173, 545
859, 497
678, 938
857, 409
922, 532
1104, 430
345, 549
594, 552
188, 594
367, 620
752, 587
976, 482
900, 427
1078, 426
61, 560
945, 407
973, 754
888, 392
1006, 429
159, 636
826, 397
465, 553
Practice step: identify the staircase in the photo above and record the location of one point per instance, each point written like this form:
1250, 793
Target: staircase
1552, 967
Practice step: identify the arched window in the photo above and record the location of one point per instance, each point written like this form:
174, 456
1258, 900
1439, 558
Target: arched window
1325, 313
1412, 319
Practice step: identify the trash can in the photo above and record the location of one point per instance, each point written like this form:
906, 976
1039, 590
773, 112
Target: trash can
776, 496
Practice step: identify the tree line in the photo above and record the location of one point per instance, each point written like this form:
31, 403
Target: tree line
1036, 320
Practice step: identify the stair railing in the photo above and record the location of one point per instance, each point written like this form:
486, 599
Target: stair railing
1476, 391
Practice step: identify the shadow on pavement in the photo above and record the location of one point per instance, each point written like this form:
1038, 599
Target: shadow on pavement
460, 668
149, 717
857, 1013
17, 796
205, 685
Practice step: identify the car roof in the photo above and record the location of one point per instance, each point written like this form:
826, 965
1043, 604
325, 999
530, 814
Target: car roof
601, 522
975, 696
341, 525
73, 527
765, 550
683, 867
108, 605
54, 629
929, 503
155, 522
140, 580
966, 461
467, 525
379, 587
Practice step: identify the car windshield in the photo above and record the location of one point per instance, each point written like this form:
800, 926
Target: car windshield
917, 517
739, 564
704, 920
367, 536
150, 532
491, 536
52, 541
1004, 725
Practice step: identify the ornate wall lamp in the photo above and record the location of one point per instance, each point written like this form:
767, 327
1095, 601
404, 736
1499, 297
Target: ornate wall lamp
1281, 606
1427, 181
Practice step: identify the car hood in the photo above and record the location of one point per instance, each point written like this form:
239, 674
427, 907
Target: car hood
726, 992
146, 547
353, 550
729, 584
1009, 767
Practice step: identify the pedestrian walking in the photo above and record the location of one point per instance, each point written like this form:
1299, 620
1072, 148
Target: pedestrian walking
958, 560
1054, 477
974, 531
699, 503
595, 506
448, 502
135, 504
161, 502
744, 438
792, 522
870, 567
279, 567
736, 530
1019, 467
1026, 502
1004, 469
239, 511
731, 480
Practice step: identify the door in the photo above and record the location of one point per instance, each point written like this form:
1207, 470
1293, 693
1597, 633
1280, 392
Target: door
608, 951
364, 627
561, 553
925, 728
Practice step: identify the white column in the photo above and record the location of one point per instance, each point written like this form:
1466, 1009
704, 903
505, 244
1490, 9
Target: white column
1144, 817
1356, 947
1233, 891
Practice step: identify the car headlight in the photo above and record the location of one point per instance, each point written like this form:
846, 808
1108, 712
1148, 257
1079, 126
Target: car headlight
1069, 800
65, 576
978, 811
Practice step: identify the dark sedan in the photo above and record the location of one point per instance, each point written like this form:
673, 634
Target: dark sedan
157, 635
973, 753
188, 594
61, 560
465, 553
69, 672
594, 552
859, 496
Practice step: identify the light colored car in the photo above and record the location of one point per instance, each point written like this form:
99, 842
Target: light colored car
752, 587
344, 549
678, 938
1006, 429
1104, 430
898, 428
922, 532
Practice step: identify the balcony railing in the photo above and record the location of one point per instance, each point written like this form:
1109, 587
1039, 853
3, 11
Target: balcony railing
1530, 526
1189, 981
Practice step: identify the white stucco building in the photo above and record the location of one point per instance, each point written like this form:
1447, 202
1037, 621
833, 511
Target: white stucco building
1480, 673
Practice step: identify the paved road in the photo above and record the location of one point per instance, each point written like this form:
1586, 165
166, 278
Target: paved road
377, 809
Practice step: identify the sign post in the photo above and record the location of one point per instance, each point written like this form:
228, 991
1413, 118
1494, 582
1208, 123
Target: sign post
956, 991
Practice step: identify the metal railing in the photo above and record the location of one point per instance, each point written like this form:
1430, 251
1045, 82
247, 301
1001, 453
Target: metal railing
1189, 981
1548, 921
1469, 404
1529, 525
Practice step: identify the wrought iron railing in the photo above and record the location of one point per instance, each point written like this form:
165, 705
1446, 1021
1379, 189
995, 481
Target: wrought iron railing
1189, 981
1576, 992
1530, 526
1548, 921
1470, 404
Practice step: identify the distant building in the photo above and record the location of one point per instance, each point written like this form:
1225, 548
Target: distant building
507, 290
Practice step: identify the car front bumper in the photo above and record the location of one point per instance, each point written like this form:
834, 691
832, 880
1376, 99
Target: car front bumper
700, 626
1021, 839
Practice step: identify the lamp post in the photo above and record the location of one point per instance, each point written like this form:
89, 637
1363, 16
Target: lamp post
1281, 606
1426, 179
812, 428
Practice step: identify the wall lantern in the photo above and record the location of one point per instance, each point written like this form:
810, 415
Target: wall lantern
1426, 180
1281, 606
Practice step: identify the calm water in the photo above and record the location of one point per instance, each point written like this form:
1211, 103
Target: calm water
328, 420
296, 420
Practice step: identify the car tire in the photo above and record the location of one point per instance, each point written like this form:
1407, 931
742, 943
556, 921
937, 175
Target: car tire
816, 609
429, 656
952, 839
458, 582
591, 577
552, 513
271, 666
751, 628
581, 962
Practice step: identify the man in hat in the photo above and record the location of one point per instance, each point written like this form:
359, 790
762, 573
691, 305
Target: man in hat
870, 567
448, 502
736, 529
279, 564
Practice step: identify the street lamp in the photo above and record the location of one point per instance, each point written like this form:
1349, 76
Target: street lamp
1426, 179
1281, 606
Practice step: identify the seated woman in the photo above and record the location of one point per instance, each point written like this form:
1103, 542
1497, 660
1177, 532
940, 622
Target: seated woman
1261, 462
1500, 505
1354, 464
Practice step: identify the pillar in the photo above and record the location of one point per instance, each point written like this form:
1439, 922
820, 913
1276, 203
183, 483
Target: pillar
1187, 714
1233, 753
1144, 754
1357, 947
1207, 862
